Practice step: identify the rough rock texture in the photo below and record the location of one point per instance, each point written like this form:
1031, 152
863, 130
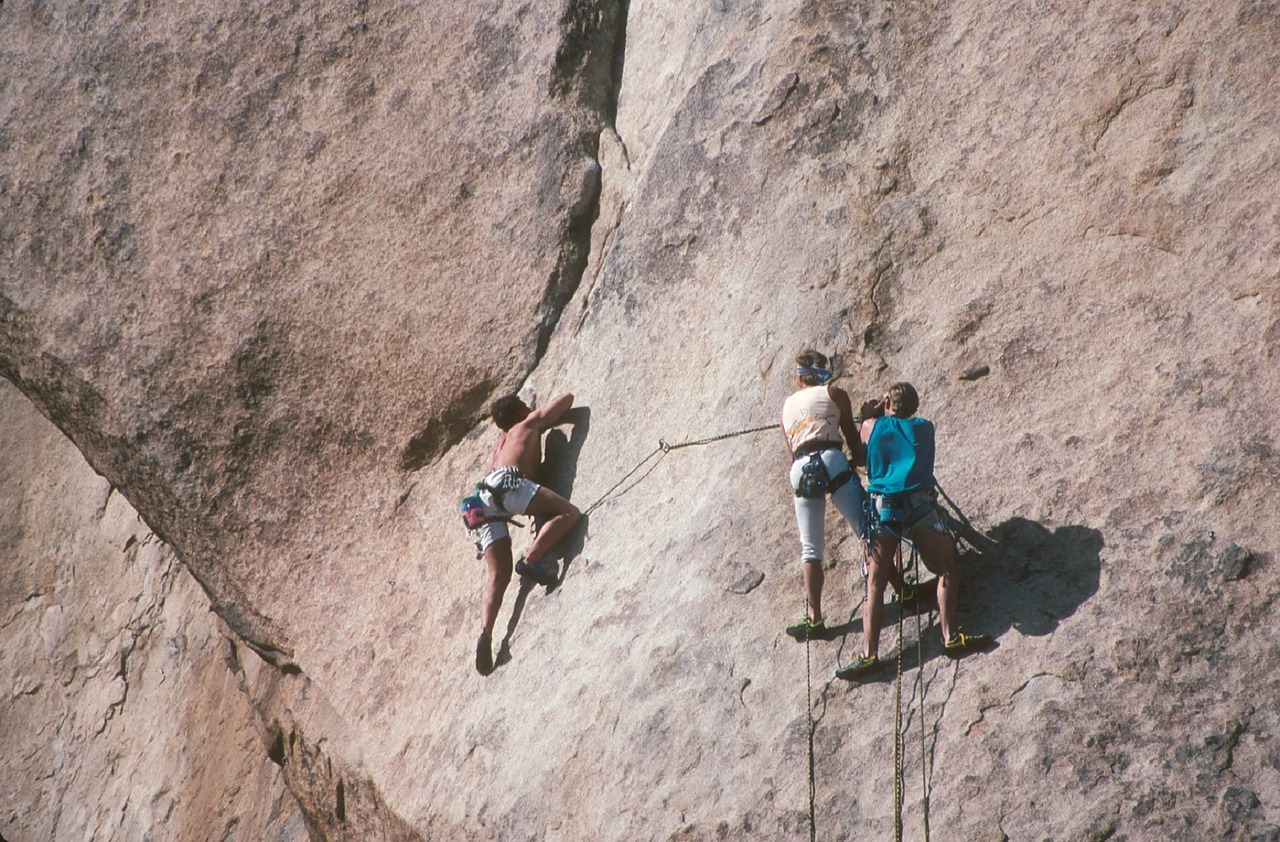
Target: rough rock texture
266, 266
120, 719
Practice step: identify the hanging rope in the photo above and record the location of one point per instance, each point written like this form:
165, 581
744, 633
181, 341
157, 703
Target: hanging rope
897, 729
664, 448
924, 772
898, 733
808, 704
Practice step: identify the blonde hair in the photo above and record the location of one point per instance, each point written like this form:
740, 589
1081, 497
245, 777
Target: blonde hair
904, 399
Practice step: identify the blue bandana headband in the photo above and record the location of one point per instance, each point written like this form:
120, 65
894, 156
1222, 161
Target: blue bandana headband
817, 372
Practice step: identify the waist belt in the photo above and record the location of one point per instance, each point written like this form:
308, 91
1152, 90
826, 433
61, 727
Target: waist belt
816, 447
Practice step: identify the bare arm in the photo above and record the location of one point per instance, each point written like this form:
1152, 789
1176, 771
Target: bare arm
866, 431
546, 417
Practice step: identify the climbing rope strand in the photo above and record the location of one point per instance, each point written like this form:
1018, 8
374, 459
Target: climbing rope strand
589, 509
959, 516
897, 730
662, 443
664, 448
924, 777
808, 705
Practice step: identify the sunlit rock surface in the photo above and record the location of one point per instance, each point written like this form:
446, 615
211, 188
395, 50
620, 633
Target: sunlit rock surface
266, 267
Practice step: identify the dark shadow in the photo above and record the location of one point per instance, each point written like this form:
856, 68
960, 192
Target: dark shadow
517, 609
1017, 575
559, 471
619, 63
1020, 575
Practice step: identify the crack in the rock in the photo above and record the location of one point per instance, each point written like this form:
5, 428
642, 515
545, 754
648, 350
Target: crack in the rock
1006, 703
1136, 92
585, 80
588, 67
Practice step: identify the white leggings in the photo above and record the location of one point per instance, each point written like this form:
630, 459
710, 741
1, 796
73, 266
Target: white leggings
811, 511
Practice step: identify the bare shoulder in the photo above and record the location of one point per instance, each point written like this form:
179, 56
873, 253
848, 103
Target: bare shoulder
547, 416
867, 429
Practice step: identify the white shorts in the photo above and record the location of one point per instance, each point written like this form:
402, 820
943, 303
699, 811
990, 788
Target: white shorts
515, 494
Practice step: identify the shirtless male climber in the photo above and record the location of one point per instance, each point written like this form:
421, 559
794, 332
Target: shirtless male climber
508, 489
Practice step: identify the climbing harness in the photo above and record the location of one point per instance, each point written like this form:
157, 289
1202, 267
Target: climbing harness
813, 478
664, 448
485, 504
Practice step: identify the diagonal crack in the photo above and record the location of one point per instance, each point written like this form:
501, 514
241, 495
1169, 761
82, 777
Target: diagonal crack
586, 78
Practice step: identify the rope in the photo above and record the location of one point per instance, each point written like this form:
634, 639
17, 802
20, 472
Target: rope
897, 730
628, 476
969, 533
667, 448
808, 704
924, 772
664, 448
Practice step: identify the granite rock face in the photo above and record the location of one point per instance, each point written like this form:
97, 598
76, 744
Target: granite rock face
266, 267
120, 718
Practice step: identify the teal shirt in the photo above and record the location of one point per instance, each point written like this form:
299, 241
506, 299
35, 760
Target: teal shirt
900, 455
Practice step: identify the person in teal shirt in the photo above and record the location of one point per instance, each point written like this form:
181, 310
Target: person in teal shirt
900, 450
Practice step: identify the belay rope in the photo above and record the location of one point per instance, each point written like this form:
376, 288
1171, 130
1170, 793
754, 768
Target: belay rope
808, 704
898, 733
897, 729
664, 448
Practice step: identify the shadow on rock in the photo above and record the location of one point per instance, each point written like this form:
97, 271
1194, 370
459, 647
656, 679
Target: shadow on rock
559, 471
517, 609
1020, 575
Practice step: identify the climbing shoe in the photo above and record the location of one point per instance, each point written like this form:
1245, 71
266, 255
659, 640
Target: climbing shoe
808, 629
484, 654
861, 668
960, 643
536, 574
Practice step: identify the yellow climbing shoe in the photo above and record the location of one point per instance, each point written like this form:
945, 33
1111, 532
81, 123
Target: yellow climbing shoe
960, 643
861, 668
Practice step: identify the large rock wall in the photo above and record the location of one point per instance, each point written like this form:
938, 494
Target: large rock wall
294, 262
268, 229
120, 718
